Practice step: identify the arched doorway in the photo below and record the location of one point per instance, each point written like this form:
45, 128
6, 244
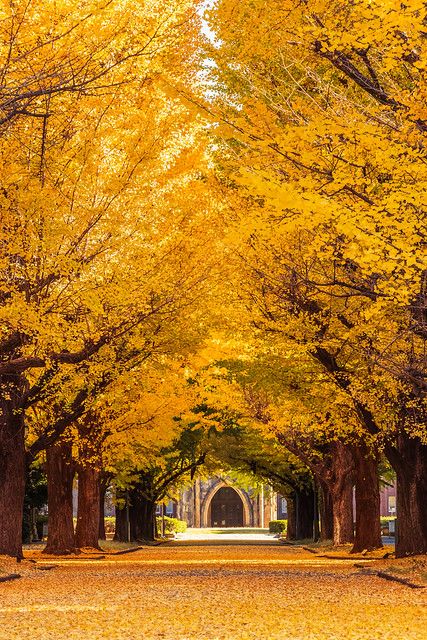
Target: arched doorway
226, 508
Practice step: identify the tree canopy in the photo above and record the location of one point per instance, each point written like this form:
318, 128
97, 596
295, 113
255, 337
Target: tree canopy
212, 217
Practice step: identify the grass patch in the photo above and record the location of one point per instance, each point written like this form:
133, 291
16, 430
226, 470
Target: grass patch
114, 545
240, 530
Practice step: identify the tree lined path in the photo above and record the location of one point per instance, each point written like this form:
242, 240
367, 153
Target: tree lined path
212, 260
218, 536
213, 265
183, 591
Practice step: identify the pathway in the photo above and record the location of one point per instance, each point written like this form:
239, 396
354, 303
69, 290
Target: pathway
238, 536
194, 591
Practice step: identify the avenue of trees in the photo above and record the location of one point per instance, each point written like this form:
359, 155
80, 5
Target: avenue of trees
212, 255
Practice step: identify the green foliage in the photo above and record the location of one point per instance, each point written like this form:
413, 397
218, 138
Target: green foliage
35, 498
172, 525
278, 526
250, 458
110, 524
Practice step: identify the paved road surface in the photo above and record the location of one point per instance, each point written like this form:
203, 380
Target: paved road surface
227, 536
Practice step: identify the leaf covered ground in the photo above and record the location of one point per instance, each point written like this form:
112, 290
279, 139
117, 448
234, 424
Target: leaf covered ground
209, 592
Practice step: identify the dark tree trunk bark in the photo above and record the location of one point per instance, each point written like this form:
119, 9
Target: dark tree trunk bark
60, 475
89, 476
342, 509
102, 491
411, 502
135, 515
305, 514
12, 465
368, 523
87, 528
291, 532
120, 532
326, 513
316, 522
335, 473
142, 516
149, 528
340, 485
300, 515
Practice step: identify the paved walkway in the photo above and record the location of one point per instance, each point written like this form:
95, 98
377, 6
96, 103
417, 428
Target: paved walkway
239, 536
190, 591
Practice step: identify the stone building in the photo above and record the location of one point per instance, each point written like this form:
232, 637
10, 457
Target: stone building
218, 502
388, 501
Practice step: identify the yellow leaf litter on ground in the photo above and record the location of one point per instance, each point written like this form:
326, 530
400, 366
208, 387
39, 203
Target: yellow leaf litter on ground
231, 592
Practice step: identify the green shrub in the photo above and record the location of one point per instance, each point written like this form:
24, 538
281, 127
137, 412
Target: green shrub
172, 525
110, 524
277, 526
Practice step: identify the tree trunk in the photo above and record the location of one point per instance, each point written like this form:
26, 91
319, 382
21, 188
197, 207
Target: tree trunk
103, 486
326, 513
368, 523
342, 501
135, 515
149, 528
316, 522
12, 465
305, 514
291, 532
87, 528
300, 515
60, 475
142, 516
411, 502
340, 484
120, 532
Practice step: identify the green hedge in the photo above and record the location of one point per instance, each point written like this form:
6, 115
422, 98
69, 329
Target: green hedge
110, 524
277, 526
172, 525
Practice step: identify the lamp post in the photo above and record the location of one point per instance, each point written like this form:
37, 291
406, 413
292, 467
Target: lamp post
297, 515
262, 506
127, 516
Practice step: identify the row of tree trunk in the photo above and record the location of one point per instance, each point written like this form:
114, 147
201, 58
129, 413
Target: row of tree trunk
61, 469
332, 498
326, 512
330, 502
134, 522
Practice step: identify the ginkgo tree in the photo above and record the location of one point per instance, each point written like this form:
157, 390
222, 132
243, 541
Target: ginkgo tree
245, 454
148, 463
320, 123
104, 205
124, 236
290, 404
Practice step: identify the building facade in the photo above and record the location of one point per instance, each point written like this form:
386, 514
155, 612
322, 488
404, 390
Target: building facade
388, 501
218, 502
